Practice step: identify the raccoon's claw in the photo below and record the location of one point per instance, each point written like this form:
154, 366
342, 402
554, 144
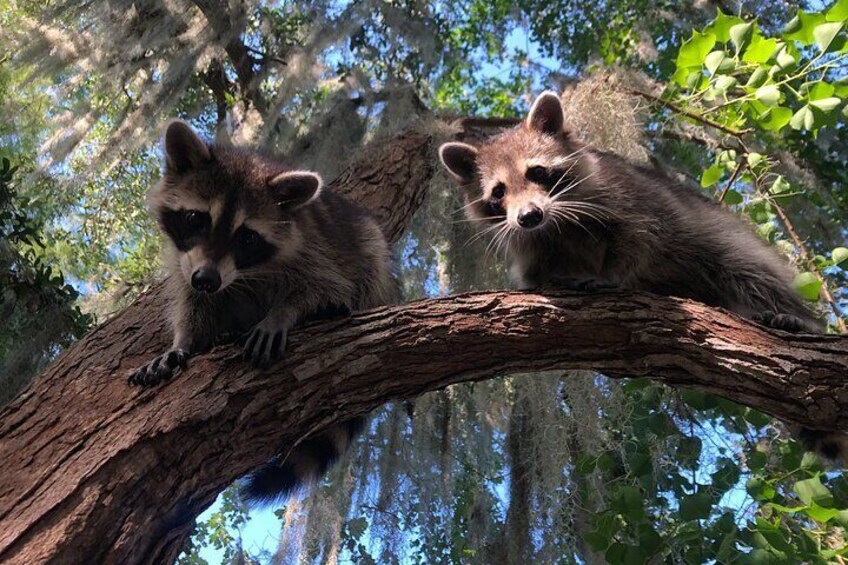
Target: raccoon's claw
582, 284
160, 369
264, 347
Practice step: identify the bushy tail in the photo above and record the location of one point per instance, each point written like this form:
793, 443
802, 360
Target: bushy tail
830, 446
304, 465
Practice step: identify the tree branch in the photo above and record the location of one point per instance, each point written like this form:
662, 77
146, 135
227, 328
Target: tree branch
98, 459
97, 472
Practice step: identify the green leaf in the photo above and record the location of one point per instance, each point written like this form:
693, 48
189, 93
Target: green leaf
787, 509
696, 506
725, 83
759, 489
726, 475
357, 527
820, 90
813, 491
786, 60
839, 255
754, 159
649, 539
712, 175
803, 119
776, 119
720, 26
718, 62
810, 461
780, 185
699, 400
733, 197
842, 518
768, 94
628, 502
694, 51
760, 50
825, 33
757, 78
756, 418
741, 34
756, 460
838, 12
800, 28
820, 514
826, 104
808, 286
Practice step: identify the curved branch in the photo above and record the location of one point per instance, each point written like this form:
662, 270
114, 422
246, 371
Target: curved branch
99, 458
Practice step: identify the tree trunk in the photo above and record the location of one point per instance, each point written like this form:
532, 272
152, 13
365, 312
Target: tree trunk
95, 471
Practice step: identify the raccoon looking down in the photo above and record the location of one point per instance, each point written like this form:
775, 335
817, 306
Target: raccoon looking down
253, 249
574, 217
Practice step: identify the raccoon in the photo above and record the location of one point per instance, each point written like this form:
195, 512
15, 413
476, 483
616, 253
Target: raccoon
573, 217
254, 248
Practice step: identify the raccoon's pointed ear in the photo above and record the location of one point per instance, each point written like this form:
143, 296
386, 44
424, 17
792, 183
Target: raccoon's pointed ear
460, 159
184, 150
295, 188
546, 115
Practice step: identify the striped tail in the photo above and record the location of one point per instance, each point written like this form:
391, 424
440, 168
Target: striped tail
307, 462
830, 446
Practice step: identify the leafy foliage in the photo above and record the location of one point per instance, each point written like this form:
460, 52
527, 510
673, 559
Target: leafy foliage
542, 468
37, 305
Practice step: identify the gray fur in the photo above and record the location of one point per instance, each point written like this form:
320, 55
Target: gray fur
609, 223
318, 252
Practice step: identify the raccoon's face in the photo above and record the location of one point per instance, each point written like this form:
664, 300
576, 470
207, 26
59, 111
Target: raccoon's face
527, 179
228, 212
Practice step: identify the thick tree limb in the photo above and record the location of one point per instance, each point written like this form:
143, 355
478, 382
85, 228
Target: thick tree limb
96, 472
127, 470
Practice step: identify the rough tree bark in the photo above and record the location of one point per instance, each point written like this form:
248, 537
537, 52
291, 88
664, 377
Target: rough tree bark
96, 472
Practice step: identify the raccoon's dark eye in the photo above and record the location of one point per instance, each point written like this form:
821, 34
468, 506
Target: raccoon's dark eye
194, 220
498, 191
247, 237
538, 174
250, 249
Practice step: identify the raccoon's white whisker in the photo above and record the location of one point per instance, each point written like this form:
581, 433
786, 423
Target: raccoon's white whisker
573, 185
493, 244
468, 205
482, 233
577, 212
570, 158
477, 219
564, 175
571, 218
494, 239
504, 242
597, 213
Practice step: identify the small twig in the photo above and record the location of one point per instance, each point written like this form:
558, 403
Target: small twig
732, 179
266, 56
805, 255
695, 116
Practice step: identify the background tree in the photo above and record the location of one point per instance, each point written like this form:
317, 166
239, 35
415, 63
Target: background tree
604, 470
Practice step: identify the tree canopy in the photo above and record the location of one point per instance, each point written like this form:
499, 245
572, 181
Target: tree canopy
744, 101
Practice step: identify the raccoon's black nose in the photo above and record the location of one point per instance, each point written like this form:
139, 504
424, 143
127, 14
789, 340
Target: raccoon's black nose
530, 217
206, 280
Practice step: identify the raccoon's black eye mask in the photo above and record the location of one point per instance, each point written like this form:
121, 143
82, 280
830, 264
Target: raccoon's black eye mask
250, 249
493, 208
549, 177
185, 227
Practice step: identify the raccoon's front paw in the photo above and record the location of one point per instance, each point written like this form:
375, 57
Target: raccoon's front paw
265, 345
786, 322
160, 369
587, 284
